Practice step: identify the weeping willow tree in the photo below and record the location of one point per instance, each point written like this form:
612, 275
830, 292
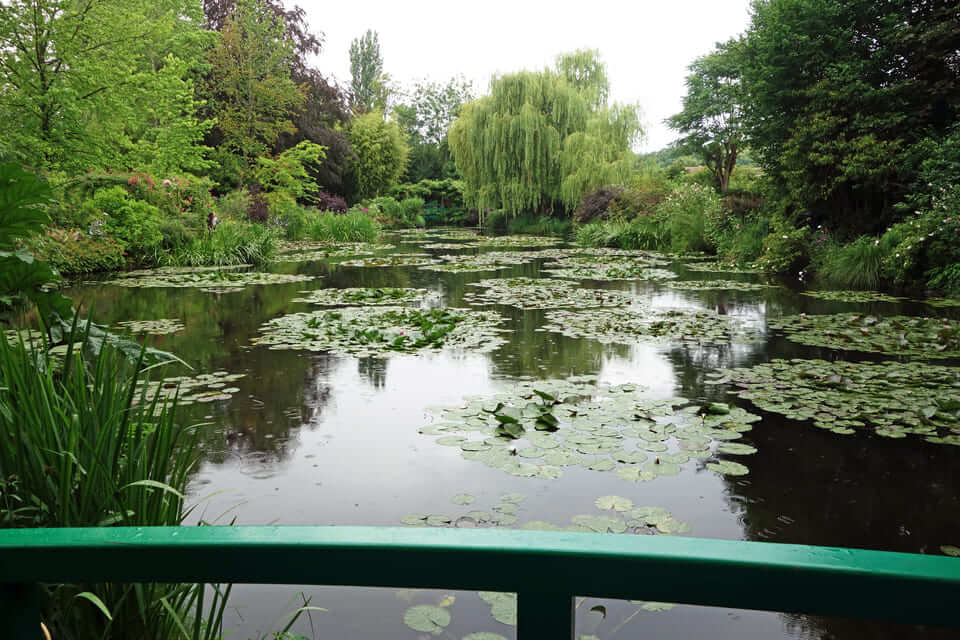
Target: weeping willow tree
539, 142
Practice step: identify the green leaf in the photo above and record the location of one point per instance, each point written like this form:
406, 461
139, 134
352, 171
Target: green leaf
153, 484
728, 468
463, 498
427, 618
950, 550
614, 503
97, 602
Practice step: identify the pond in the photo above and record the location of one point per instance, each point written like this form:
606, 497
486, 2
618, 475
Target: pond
449, 380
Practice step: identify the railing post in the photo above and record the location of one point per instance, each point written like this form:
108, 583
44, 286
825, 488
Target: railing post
20, 611
544, 614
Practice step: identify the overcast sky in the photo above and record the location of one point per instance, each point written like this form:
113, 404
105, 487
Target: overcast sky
646, 45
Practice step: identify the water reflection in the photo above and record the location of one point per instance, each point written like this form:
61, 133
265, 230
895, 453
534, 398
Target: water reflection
320, 439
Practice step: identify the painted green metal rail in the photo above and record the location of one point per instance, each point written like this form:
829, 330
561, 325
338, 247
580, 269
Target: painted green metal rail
545, 569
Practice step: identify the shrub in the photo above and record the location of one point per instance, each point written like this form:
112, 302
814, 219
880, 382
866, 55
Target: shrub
596, 204
74, 252
858, 265
330, 202
411, 212
294, 221
540, 226
134, 222
233, 205
354, 226
643, 233
686, 212
639, 200
258, 209
495, 221
785, 249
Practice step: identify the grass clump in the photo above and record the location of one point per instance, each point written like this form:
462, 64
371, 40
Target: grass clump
858, 265
353, 226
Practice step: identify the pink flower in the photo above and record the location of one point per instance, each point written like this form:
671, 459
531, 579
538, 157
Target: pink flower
166, 182
803, 315
133, 180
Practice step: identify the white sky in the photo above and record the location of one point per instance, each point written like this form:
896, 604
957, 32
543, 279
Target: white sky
647, 45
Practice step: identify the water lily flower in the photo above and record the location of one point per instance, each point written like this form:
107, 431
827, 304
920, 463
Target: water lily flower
166, 182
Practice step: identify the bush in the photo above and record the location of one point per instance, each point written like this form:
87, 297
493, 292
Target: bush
354, 226
495, 221
643, 233
258, 209
75, 252
638, 200
858, 265
411, 212
330, 202
596, 204
785, 249
233, 205
135, 223
686, 212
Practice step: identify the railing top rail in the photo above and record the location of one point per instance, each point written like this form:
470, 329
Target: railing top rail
751, 575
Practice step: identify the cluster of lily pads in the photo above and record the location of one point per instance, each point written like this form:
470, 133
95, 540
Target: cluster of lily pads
710, 285
158, 327
394, 260
893, 335
533, 293
379, 331
209, 279
488, 261
578, 269
722, 267
371, 296
630, 326
206, 387
852, 296
515, 241
893, 399
444, 245
306, 251
543, 427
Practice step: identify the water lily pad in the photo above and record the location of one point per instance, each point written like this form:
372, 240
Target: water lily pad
503, 606
852, 296
657, 606
516, 241
892, 335
379, 331
158, 327
893, 399
728, 468
630, 326
605, 268
427, 618
488, 261
204, 387
531, 293
736, 448
214, 280
463, 498
394, 260
613, 503
372, 296
483, 635
950, 550
723, 267
723, 285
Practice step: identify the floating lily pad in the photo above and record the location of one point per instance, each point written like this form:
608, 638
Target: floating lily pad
503, 606
214, 280
613, 503
950, 550
852, 296
612, 271
736, 448
444, 245
630, 326
488, 261
723, 267
943, 302
657, 606
728, 468
205, 387
394, 260
483, 635
531, 293
373, 296
427, 618
378, 331
516, 241
893, 335
891, 398
591, 426
724, 285
159, 327
463, 498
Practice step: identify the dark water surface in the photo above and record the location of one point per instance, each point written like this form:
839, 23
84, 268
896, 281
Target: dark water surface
314, 438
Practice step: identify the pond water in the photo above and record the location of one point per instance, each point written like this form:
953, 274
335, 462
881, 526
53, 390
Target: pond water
328, 437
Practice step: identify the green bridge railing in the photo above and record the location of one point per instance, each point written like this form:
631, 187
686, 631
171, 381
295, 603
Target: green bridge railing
545, 569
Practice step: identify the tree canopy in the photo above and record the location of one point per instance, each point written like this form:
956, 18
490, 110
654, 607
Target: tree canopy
368, 83
507, 144
382, 153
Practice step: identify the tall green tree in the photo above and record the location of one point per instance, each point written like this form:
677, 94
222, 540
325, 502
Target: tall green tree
584, 70
426, 114
838, 93
538, 143
711, 120
250, 86
75, 75
368, 85
382, 153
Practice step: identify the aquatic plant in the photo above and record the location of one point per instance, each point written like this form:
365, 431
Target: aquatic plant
723, 285
381, 331
893, 335
159, 327
395, 260
658, 326
209, 279
372, 296
531, 293
891, 399
853, 296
